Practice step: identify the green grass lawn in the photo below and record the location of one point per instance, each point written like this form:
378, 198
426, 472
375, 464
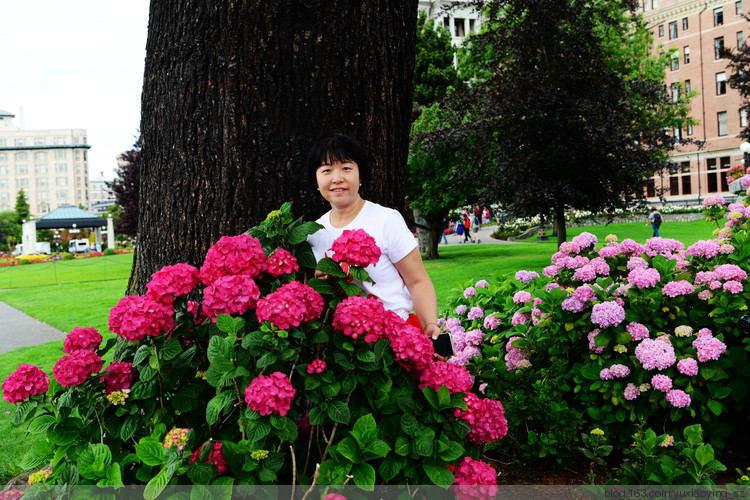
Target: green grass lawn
81, 293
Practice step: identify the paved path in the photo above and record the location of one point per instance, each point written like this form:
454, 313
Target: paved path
18, 329
484, 235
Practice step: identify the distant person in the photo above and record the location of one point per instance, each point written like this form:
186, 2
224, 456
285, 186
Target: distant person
467, 226
475, 229
486, 215
654, 218
459, 227
443, 237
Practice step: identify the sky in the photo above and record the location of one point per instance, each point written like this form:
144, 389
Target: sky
76, 64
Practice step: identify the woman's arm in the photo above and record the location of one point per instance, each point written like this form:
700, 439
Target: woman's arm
422, 291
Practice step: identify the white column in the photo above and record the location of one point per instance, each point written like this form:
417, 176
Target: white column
110, 233
28, 239
98, 238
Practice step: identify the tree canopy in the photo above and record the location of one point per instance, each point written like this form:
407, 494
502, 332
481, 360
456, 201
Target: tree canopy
739, 63
565, 119
434, 72
126, 187
22, 209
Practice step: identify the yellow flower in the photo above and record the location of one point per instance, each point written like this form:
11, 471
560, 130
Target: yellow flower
274, 215
597, 432
259, 454
118, 397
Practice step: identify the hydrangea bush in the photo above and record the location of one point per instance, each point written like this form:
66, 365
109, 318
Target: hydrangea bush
243, 372
615, 334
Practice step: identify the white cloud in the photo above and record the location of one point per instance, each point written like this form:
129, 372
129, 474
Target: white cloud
76, 64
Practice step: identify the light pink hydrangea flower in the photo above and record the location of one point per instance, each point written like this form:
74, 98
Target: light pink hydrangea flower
661, 383
637, 331
606, 314
678, 398
521, 297
655, 354
688, 366
643, 278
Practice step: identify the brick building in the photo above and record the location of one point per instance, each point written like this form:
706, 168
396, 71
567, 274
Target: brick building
697, 29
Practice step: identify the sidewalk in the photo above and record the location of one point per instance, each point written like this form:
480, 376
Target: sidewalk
484, 235
18, 329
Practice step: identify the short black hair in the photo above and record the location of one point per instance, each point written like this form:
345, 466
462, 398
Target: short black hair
336, 147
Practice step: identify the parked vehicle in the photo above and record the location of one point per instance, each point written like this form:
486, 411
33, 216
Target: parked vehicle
41, 247
78, 246
33, 256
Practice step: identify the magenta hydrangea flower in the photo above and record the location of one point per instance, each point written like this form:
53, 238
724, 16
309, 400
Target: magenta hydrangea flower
476, 312
88, 339
631, 392
136, 316
290, 305
356, 248
491, 322
215, 456
474, 480
678, 398
281, 262
270, 394
73, 369
486, 419
470, 292
233, 294
676, 288
316, 366
643, 278
655, 354
526, 276
661, 383
231, 256
688, 366
412, 346
356, 316
606, 314
456, 378
172, 281
118, 376
709, 348
26, 381
461, 309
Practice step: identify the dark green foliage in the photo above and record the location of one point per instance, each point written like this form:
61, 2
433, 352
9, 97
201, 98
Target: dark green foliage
434, 74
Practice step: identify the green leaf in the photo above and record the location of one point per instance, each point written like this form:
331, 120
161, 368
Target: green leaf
364, 476
376, 449
438, 472
338, 412
431, 395
715, 407
316, 416
188, 398
349, 449
170, 349
366, 428
128, 427
348, 383
257, 430
286, 427
266, 360
112, 477
452, 451
225, 323
330, 390
141, 354
32, 460
93, 462
151, 453
156, 485
41, 423
298, 234
409, 424
402, 446
22, 411
704, 454
444, 398
424, 442
391, 467
330, 267
366, 356
215, 406
220, 352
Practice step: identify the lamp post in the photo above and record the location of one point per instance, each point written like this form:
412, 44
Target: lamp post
745, 148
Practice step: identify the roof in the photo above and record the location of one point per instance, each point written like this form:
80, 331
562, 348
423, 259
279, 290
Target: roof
5, 113
66, 215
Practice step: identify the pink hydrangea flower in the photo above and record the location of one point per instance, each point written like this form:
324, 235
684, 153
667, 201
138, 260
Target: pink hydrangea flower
655, 354
637, 331
290, 305
609, 251
585, 273
688, 366
470, 292
486, 419
356, 248
585, 293
483, 284
136, 316
118, 376
664, 246
316, 366
704, 248
172, 281
678, 398
231, 256
631, 247
177, 437
233, 294
636, 262
521, 297
733, 287
456, 378
713, 201
520, 318
709, 348
26, 381
631, 392
412, 346
677, 288
465, 355
491, 322
88, 339
281, 262
573, 304
551, 286
705, 295
526, 276
585, 241
730, 272
215, 456
619, 370
270, 394
606, 314
606, 374
592, 341
475, 480
643, 278
661, 383
461, 309
356, 316
476, 312
73, 369
515, 357
551, 271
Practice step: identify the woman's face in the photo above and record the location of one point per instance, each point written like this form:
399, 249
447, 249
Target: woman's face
338, 182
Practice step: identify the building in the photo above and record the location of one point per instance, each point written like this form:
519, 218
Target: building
50, 166
459, 21
101, 196
698, 30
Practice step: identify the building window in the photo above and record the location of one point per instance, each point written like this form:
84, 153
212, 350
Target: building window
3, 157
684, 24
3, 170
675, 61
61, 154
59, 140
460, 26
61, 195
22, 183
675, 88
738, 8
687, 87
674, 185
673, 30
740, 40
42, 195
651, 188
711, 164
721, 118
20, 156
684, 166
42, 181
61, 167
718, 47
686, 187
19, 142
61, 181
743, 118
713, 182
689, 130
661, 31
686, 54
677, 133
39, 141
721, 83
725, 162
21, 169
41, 169
718, 16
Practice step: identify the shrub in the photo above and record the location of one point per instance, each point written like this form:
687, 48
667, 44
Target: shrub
268, 380
109, 251
67, 256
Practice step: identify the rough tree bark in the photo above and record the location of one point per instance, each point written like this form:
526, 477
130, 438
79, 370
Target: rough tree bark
234, 94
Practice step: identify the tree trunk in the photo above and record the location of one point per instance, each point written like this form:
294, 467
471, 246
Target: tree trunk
428, 235
235, 93
560, 225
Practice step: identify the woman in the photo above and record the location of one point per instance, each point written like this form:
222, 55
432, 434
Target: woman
337, 166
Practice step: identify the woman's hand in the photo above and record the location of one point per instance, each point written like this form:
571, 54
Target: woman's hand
432, 331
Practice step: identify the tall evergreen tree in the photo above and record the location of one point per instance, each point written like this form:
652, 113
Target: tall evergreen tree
23, 210
126, 187
434, 72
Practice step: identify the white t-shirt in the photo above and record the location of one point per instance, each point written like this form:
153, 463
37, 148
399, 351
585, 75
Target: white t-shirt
395, 241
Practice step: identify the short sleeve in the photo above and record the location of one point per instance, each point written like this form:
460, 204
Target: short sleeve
400, 239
